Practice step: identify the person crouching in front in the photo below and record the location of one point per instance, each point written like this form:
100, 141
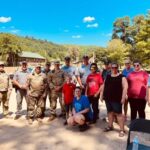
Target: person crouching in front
81, 112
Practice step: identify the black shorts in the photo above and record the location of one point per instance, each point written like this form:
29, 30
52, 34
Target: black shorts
115, 107
68, 108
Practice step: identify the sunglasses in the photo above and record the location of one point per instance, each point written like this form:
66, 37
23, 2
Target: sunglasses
1, 65
114, 67
77, 91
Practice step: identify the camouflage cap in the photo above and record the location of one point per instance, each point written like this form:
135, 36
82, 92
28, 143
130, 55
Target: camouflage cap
37, 65
2, 63
56, 62
48, 63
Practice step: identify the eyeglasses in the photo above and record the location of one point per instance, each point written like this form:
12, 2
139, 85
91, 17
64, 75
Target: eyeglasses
136, 65
1, 65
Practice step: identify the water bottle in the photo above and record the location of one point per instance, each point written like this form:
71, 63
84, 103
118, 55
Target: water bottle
135, 145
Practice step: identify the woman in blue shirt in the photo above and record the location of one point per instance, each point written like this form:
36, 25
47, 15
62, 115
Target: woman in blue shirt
81, 112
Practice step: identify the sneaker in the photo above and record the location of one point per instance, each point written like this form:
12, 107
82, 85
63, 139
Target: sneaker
83, 128
52, 117
17, 117
30, 121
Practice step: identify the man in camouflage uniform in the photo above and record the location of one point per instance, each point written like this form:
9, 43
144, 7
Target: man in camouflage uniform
46, 71
5, 89
37, 88
19, 80
56, 79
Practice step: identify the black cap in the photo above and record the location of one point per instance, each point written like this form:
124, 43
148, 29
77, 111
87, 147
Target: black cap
85, 57
23, 62
67, 58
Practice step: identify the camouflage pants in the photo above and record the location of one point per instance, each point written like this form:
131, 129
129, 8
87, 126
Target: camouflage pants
5, 102
35, 106
47, 96
20, 94
53, 102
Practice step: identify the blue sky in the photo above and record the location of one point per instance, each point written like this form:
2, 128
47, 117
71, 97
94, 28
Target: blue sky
85, 22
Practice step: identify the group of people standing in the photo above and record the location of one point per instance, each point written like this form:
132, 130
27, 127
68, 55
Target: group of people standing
79, 104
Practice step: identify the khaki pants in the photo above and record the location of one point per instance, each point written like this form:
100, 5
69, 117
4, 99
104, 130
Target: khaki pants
53, 102
5, 102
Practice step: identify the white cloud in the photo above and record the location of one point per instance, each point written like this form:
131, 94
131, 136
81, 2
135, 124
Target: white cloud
95, 25
88, 19
15, 31
5, 19
76, 36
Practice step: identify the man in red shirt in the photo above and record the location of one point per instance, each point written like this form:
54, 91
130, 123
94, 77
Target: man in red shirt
68, 95
94, 82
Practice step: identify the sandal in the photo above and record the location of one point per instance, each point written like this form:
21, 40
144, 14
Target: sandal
121, 133
107, 129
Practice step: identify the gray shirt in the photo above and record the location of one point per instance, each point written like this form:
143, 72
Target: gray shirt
21, 76
83, 72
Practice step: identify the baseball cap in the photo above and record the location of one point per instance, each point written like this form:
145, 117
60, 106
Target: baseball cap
85, 57
67, 58
2, 63
56, 62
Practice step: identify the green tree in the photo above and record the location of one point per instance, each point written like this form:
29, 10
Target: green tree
118, 51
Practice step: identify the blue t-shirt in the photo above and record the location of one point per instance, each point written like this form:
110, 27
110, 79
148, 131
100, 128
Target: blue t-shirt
69, 70
149, 82
126, 72
82, 104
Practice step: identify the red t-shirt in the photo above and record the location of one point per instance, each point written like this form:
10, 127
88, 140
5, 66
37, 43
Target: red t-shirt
137, 82
94, 81
68, 90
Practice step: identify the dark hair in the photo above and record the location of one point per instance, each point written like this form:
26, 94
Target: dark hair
93, 64
136, 61
78, 87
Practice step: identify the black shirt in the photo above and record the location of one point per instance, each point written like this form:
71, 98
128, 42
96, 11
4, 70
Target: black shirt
113, 88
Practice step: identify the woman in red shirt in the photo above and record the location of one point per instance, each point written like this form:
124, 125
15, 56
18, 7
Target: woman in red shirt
137, 81
94, 82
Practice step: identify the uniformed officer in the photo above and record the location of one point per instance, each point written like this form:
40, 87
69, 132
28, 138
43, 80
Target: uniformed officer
5, 89
46, 71
56, 79
37, 89
19, 80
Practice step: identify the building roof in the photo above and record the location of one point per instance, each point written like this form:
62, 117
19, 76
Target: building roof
31, 55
